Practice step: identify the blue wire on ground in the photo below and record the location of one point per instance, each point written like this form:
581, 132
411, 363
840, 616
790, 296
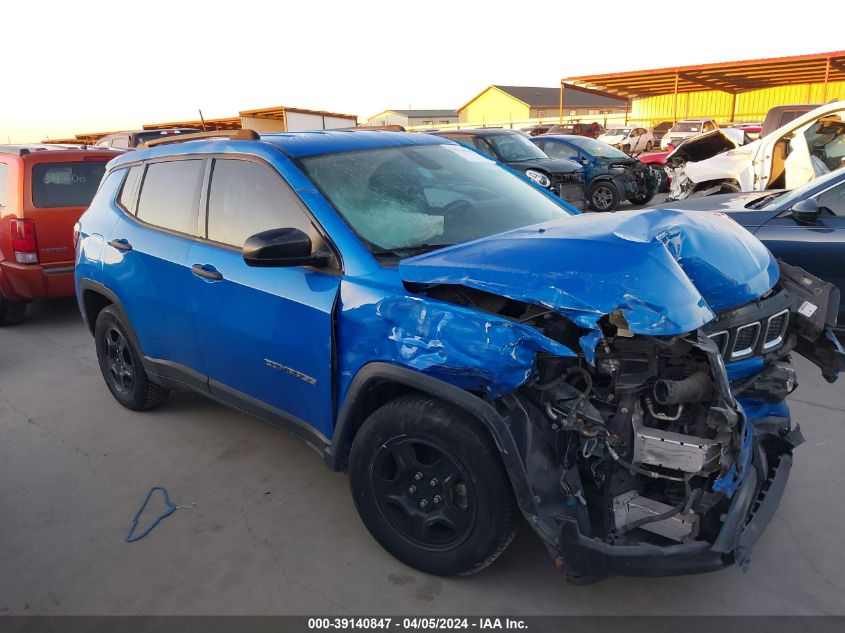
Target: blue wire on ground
171, 508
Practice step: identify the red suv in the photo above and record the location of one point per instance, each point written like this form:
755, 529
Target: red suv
43, 191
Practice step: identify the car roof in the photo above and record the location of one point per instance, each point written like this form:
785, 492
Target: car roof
161, 131
33, 148
567, 138
485, 131
293, 144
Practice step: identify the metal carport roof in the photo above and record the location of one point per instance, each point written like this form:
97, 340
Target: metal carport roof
730, 77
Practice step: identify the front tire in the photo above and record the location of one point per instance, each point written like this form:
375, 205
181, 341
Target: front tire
430, 486
603, 196
120, 364
728, 186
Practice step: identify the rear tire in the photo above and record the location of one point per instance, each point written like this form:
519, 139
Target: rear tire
11, 312
430, 486
121, 366
643, 199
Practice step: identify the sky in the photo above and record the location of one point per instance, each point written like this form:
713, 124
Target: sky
89, 66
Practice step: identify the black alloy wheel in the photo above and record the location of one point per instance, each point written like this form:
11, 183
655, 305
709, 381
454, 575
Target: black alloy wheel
121, 370
423, 491
603, 196
430, 485
120, 364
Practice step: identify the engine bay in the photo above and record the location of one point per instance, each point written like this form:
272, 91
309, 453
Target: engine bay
650, 442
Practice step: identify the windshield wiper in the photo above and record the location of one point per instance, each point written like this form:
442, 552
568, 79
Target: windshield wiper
762, 202
407, 251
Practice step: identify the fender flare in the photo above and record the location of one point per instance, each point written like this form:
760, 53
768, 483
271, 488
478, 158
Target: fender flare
605, 178
380, 372
86, 284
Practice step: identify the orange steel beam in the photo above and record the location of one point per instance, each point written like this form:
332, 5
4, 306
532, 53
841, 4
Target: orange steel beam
560, 110
826, 77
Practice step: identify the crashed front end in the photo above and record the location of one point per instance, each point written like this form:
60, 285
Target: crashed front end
633, 179
710, 163
651, 419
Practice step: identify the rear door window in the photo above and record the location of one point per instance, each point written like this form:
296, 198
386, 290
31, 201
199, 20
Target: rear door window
71, 184
128, 197
169, 195
246, 198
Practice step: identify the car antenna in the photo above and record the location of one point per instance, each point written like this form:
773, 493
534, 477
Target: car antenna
202, 120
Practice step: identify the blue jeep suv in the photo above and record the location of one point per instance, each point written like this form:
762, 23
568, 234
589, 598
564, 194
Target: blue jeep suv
467, 346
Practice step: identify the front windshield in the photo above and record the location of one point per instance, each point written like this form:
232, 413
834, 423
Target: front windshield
513, 148
403, 200
686, 126
596, 148
787, 198
618, 132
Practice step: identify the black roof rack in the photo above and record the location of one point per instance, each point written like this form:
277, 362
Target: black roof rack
369, 128
234, 135
23, 150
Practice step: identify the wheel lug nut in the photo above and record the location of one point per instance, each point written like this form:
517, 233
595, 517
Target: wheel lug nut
437, 499
418, 476
412, 489
433, 482
423, 504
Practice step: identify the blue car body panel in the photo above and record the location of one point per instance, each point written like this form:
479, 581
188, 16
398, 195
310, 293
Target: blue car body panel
666, 272
294, 340
817, 247
279, 350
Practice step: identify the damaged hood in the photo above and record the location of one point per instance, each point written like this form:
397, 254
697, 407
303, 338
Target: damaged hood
668, 272
707, 145
612, 139
551, 165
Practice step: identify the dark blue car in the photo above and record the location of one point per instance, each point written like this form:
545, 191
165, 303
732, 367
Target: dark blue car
804, 227
466, 345
610, 175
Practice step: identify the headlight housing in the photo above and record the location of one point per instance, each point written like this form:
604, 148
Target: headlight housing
539, 177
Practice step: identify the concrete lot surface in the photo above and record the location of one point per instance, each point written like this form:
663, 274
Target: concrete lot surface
275, 532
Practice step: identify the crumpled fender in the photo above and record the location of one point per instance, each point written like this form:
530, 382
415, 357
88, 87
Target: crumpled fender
463, 346
668, 272
735, 167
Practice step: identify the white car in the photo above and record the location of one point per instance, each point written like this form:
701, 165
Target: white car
794, 154
687, 129
631, 140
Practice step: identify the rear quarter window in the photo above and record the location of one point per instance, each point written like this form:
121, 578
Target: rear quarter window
70, 184
169, 195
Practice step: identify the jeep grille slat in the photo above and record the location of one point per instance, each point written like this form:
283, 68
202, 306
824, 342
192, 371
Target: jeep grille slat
775, 329
745, 340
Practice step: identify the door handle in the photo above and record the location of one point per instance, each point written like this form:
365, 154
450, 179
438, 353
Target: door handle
122, 244
206, 271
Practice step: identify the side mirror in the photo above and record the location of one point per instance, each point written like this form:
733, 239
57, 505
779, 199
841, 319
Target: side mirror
806, 211
281, 247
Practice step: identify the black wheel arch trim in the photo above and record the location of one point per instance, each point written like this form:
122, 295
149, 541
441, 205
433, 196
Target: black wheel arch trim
378, 372
95, 286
